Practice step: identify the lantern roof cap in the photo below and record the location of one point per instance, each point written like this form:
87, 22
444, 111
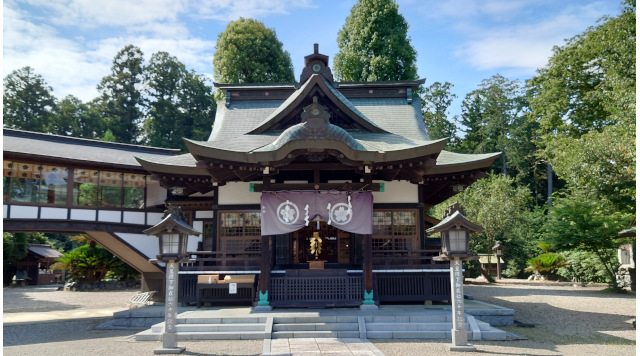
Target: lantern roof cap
174, 220
455, 219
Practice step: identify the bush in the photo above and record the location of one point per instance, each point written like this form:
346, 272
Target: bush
89, 264
546, 264
586, 267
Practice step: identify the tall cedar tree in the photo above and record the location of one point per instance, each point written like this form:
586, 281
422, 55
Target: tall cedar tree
435, 109
121, 99
72, 117
248, 52
28, 101
180, 103
163, 77
373, 44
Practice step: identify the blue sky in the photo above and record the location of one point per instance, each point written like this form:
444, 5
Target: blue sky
71, 43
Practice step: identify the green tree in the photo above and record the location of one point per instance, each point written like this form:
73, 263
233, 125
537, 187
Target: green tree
490, 115
590, 82
436, 101
72, 117
163, 77
579, 222
121, 101
28, 101
88, 263
198, 106
180, 103
500, 207
248, 52
373, 44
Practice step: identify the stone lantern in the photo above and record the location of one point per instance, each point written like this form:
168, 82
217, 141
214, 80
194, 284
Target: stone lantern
454, 230
173, 233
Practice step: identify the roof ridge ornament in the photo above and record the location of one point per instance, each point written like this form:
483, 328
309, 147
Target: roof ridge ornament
316, 63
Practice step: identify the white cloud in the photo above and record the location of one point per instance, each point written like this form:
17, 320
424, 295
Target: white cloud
520, 46
229, 10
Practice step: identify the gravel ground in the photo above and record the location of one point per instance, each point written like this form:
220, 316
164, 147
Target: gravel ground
568, 321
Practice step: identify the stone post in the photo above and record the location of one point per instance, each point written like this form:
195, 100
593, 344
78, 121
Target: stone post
459, 340
169, 337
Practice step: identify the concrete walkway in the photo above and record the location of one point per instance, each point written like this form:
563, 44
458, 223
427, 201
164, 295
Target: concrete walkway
30, 317
320, 346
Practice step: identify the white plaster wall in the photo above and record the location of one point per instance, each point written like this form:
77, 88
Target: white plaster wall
5, 209
24, 212
396, 192
133, 217
192, 243
147, 244
156, 195
237, 193
53, 213
154, 218
208, 214
109, 216
83, 214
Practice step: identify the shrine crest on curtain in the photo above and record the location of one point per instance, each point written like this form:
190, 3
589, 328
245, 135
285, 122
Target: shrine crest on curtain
284, 212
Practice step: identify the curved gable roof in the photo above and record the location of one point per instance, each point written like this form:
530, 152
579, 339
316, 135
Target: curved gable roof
299, 95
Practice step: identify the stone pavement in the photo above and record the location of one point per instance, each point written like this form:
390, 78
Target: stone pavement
320, 346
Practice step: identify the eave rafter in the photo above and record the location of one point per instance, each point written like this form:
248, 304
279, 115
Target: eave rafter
191, 184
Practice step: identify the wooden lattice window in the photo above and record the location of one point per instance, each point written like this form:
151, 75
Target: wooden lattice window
395, 230
239, 231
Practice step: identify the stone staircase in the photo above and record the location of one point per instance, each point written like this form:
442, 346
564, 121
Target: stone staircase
278, 325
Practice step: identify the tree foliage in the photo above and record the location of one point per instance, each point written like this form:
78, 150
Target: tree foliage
576, 221
500, 207
589, 83
72, 117
121, 98
179, 103
373, 44
248, 52
89, 264
436, 101
28, 101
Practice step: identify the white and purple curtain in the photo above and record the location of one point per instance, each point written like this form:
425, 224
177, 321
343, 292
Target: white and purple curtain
284, 212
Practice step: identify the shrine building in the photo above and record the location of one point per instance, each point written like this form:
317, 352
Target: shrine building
319, 189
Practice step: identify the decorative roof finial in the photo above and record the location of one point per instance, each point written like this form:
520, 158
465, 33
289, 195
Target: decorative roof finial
315, 48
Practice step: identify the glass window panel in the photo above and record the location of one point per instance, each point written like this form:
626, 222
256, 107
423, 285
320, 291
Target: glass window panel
133, 197
382, 223
53, 185
404, 223
24, 183
110, 196
85, 187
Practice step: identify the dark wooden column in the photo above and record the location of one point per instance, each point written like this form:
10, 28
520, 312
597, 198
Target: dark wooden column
265, 272
367, 269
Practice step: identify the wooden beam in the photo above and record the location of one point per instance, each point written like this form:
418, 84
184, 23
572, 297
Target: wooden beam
375, 187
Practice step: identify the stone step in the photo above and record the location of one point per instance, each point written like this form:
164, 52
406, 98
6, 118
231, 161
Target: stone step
409, 334
315, 334
221, 335
316, 327
410, 326
315, 319
407, 318
219, 327
225, 320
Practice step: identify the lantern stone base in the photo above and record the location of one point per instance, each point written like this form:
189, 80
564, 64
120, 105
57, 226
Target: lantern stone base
462, 348
169, 350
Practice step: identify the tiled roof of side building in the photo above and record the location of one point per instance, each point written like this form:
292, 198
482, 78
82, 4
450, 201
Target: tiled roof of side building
35, 145
449, 162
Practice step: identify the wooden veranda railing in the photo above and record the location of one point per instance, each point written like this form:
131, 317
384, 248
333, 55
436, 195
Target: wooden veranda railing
223, 261
406, 259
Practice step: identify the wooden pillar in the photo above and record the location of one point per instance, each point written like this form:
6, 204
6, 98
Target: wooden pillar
265, 272
367, 270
